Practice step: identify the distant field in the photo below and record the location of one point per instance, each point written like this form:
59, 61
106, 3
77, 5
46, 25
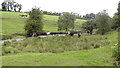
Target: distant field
93, 57
11, 22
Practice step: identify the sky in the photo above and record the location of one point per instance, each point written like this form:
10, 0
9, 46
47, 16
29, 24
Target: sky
78, 6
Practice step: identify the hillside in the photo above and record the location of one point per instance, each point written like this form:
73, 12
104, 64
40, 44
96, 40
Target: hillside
98, 56
12, 22
91, 57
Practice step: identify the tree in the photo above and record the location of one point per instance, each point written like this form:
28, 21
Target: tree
9, 5
15, 6
89, 16
115, 21
89, 26
118, 14
66, 21
117, 51
34, 24
19, 7
102, 22
4, 6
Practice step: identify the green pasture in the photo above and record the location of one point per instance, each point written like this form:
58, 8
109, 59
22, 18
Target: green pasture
12, 23
91, 57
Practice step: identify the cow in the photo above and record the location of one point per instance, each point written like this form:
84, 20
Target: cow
48, 33
79, 34
71, 33
25, 16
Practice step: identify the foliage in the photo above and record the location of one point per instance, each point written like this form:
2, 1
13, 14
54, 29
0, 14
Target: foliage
119, 14
11, 6
34, 24
115, 21
4, 6
91, 57
5, 37
116, 55
66, 21
117, 51
102, 22
58, 44
89, 16
89, 26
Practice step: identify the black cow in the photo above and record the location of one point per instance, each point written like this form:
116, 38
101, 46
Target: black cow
71, 33
25, 16
79, 34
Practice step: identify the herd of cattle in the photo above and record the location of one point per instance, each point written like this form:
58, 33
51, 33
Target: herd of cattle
24, 16
71, 33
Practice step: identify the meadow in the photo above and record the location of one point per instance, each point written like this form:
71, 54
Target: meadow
101, 56
13, 23
88, 50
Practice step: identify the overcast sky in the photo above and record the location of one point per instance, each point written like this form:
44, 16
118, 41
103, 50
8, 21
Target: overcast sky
79, 6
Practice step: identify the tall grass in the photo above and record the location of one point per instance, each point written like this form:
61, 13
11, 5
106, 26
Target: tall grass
55, 44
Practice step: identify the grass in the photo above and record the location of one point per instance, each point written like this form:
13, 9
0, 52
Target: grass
55, 44
11, 22
93, 57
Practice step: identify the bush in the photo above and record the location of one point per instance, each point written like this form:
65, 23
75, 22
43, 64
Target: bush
116, 55
4, 37
9, 50
55, 44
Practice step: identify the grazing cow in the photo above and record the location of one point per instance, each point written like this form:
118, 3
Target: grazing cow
25, 16
79, 34
88, 32
71, 33
48, 33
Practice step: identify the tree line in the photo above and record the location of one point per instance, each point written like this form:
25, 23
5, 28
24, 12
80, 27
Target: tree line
11, 6
16, 7
78, 16
116, 25
103, 23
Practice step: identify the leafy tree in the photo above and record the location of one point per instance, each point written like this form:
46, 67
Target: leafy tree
15, 6
34, 24
89, 26
19, 7
114, 21
117, 51
4, 6
89, 16
119, 14
66, 21
9, 5
102, 22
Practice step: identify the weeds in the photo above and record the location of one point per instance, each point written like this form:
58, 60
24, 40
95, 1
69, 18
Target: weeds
56, 44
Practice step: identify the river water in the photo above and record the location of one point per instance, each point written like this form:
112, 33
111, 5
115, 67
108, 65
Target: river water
2, 41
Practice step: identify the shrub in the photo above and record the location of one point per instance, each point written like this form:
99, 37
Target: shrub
9, 50
56, 44
4, 37
116, 55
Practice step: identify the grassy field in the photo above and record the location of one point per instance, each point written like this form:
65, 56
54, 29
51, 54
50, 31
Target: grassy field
12, 22
92, 57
